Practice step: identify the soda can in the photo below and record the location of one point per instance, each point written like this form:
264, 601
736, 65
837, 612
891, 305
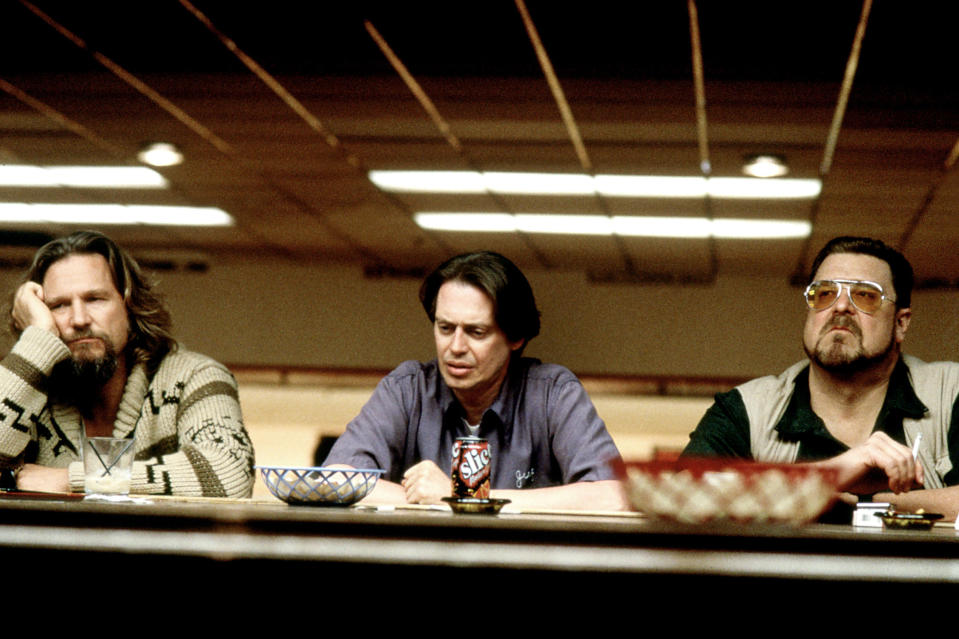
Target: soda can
471, 467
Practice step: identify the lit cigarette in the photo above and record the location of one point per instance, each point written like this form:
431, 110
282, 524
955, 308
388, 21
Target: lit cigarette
915, 446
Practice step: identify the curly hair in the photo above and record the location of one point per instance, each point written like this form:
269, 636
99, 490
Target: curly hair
150, 323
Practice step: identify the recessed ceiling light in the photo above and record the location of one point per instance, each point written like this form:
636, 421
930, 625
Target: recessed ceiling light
565, 184
765, 165
160, 154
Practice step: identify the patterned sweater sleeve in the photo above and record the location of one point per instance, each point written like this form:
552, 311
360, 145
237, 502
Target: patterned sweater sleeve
189, 430
24, 378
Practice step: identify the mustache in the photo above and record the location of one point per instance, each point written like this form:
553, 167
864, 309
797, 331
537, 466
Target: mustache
88, 334
842, 321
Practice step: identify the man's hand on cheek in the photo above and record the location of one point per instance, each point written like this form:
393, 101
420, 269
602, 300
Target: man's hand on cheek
29, 309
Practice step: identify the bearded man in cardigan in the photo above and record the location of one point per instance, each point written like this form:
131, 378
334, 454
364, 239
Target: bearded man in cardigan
94, 357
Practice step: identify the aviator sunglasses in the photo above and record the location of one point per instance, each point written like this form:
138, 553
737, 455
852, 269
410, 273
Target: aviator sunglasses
865, 296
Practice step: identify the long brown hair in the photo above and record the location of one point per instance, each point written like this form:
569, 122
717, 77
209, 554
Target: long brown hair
150, 323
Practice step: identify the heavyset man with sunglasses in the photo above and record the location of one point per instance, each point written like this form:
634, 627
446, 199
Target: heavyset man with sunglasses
857, 403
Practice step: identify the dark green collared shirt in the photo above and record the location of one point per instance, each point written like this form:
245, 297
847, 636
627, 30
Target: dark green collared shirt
724, 429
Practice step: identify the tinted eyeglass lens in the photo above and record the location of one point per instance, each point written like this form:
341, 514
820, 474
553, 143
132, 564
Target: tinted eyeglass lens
866, 297
822, 295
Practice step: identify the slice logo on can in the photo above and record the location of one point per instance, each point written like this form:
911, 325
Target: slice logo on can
471, 467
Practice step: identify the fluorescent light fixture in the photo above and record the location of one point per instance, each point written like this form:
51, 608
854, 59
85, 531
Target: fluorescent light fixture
539, 183
118, 177
639, 186
624, 225
732, 228
650, 186
22, 213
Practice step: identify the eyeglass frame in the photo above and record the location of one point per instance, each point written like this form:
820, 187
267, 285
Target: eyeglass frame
846, 284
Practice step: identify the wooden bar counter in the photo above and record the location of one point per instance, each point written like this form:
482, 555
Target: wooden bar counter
579, 557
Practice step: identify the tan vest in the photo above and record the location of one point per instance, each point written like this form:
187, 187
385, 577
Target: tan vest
936, 384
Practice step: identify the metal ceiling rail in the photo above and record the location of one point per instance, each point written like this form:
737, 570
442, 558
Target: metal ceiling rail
444, 127
700, 88
87, 134
555, 88
156, 98
178, 113
832, 137
313, 122
417, 90
297, 106
95, 139
71, 125
953, 157
208, 136
566, 113
705, 166
947, 166
851, 64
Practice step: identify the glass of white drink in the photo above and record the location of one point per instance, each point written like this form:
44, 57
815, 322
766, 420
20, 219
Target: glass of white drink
107, 462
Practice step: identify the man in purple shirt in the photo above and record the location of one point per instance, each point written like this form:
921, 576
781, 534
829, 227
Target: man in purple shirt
549, 447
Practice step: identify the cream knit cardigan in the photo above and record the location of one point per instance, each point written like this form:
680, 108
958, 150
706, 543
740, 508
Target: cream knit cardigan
185, 421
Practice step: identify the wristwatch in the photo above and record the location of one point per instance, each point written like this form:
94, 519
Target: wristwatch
9, 469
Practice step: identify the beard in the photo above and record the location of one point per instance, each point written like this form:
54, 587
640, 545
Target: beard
837, 356
78, 380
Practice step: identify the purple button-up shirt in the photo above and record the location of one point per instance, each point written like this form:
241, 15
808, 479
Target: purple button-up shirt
542, 428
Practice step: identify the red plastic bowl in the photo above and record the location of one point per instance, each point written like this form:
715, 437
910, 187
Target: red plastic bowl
699, 490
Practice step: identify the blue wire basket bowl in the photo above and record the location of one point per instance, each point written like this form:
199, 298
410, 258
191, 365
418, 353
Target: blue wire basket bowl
317, 486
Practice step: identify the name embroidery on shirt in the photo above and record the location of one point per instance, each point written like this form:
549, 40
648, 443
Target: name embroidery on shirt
524, 479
